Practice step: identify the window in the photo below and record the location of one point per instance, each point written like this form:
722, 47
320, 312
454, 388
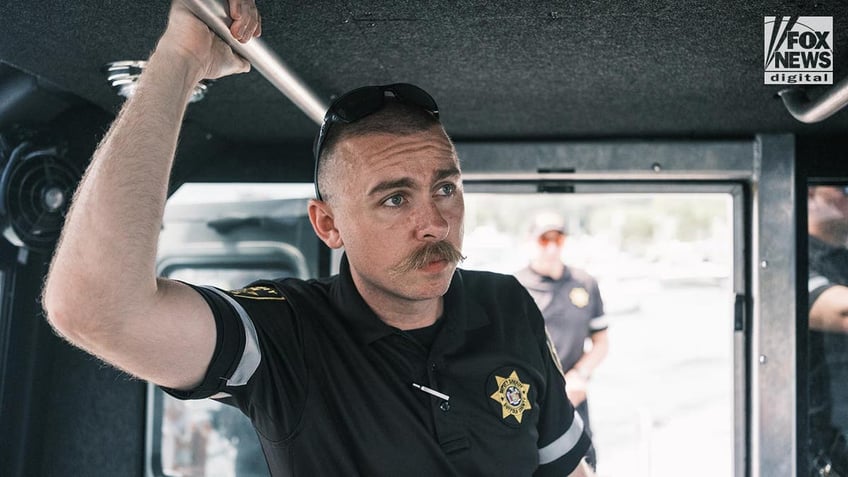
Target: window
224, 235
663, 398
204, 438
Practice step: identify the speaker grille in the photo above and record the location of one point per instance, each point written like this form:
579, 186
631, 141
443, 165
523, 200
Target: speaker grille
36, 185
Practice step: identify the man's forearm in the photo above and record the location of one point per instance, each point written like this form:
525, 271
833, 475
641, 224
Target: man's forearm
591, 359
108, 246
583, 470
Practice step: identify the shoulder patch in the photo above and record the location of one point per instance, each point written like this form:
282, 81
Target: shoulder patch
258, 292
579, 297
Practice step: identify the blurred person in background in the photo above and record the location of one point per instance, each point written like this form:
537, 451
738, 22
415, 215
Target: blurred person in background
827, 224
571, 304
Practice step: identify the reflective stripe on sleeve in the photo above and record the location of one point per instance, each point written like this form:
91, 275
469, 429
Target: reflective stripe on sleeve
817, 281
564, 443
251, 357
599, 323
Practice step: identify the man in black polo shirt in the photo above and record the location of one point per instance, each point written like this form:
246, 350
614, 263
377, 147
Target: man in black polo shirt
827, 221
400, 365
571, 304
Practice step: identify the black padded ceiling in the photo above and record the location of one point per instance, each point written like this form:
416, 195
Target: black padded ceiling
498, 69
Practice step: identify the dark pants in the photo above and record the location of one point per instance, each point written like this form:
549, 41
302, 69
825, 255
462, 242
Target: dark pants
583, 410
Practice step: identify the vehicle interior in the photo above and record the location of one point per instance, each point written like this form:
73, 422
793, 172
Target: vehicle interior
649, 125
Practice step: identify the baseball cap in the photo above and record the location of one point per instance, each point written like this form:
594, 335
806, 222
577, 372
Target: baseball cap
546, 222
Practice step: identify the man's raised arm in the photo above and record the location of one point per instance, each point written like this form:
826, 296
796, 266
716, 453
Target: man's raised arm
102, 293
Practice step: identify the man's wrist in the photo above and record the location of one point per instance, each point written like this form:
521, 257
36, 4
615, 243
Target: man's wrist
583, 372
189, 64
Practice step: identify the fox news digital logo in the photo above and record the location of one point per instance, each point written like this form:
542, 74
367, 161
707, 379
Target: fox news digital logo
798, 50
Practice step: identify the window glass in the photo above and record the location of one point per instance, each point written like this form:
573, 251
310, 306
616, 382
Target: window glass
233, 277
205, 437
827, 343
663, 397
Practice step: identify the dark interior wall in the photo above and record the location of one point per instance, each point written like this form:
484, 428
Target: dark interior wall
93, 416
63, 412
24, 356
822, 156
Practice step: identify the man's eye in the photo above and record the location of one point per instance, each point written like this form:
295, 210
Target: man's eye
447, 189
394, 201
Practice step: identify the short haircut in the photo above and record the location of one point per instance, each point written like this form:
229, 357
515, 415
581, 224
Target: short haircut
394, 118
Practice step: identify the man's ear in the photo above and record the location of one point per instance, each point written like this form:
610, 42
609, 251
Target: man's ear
324, 223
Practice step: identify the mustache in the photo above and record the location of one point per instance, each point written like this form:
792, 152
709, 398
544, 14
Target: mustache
431, 252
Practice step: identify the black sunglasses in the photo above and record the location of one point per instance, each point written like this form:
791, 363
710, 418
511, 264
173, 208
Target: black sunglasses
360, 102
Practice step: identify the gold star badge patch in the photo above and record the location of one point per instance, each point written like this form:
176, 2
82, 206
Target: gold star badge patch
579, 296
513, 396
258, 292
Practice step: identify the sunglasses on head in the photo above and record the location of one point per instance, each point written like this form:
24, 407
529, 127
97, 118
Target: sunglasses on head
361, 102
549, 238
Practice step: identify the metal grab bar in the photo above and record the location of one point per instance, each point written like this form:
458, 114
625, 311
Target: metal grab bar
214, 13
806, 111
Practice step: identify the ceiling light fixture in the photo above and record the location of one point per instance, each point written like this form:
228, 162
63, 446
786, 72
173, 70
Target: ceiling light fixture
123, 76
